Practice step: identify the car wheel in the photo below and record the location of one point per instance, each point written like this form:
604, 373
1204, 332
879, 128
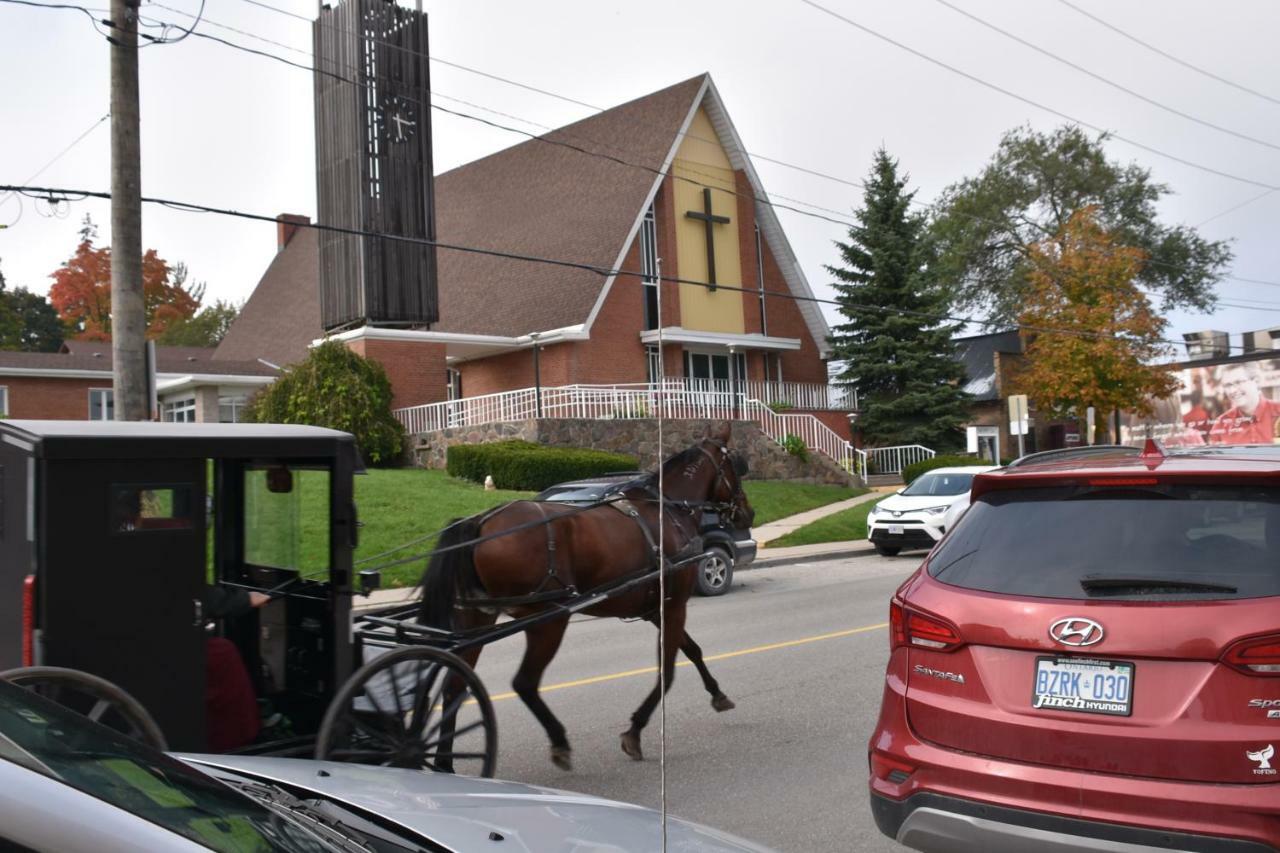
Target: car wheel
887, 550
715, 572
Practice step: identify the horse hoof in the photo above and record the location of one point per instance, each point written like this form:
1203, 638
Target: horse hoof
562, 757
722, 703
631, 745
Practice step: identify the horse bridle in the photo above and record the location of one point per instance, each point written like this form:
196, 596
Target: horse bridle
731, 508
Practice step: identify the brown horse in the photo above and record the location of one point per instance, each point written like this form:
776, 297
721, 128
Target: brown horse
560, 550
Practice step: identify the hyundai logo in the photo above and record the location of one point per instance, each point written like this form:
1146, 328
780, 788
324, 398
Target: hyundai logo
1075, 631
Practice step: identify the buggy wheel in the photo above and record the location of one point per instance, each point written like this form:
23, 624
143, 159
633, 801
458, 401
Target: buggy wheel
413, 707
90, 696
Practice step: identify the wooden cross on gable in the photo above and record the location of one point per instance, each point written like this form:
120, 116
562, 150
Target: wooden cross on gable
709, 219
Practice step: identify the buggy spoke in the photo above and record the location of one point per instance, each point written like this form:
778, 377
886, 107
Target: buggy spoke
451, 712
395, 689
480, 755
470, 727
376, 734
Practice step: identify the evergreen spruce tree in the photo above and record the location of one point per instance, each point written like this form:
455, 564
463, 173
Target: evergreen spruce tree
895, 342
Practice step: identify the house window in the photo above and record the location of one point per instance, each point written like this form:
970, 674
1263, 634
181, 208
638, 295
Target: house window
231, 409
764, 317
102, 405
453, 383
180, 411
711, 370
653, 365
4, 401
649, 267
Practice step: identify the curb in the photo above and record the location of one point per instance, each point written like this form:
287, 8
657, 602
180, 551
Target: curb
763, 562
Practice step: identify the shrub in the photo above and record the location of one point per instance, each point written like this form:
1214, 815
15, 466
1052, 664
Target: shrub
532, 467
915, 469
794, 445
339, 389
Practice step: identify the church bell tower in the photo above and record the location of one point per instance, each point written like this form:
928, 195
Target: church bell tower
373, 166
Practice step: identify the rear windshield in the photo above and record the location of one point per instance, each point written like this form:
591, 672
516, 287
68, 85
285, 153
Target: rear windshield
1165, 542
938, 484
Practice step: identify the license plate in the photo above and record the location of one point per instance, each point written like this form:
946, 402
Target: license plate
1083, 684
895, 529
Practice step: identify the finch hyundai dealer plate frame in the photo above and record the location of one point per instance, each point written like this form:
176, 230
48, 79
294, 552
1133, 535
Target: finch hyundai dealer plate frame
1086, 685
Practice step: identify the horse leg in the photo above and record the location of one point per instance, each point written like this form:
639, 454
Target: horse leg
673, 640
454, 686
693, 652
542, 642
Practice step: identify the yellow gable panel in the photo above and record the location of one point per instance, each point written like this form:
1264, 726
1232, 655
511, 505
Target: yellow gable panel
701, 163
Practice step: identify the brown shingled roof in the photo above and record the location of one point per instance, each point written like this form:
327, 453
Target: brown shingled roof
535, 198
282, 316
550, 201
97, 356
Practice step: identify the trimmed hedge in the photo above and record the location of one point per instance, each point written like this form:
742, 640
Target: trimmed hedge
530, 467
915, 469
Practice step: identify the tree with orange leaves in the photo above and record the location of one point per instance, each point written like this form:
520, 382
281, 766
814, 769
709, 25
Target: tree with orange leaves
1105, 334
81, 291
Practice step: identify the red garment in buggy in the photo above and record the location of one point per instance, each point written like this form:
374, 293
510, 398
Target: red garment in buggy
230, 705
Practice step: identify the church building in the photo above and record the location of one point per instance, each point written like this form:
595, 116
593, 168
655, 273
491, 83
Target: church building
661, 181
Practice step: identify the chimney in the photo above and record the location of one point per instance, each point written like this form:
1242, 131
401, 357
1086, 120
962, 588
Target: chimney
286, 226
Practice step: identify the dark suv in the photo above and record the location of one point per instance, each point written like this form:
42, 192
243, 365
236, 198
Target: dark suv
727, 547
1090, 660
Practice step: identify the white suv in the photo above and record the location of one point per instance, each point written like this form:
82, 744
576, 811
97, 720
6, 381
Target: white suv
919, 515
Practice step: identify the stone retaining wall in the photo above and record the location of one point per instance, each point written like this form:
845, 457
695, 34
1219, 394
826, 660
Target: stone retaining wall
638, 438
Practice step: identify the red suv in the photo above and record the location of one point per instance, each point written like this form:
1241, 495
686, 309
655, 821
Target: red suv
1090, 660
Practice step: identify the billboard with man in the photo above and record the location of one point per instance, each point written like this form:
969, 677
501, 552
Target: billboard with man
1235, 402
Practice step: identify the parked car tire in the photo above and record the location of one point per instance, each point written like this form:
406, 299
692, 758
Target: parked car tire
887, 550
715, 572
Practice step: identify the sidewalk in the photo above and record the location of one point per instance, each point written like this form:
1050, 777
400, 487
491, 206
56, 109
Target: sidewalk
766, 533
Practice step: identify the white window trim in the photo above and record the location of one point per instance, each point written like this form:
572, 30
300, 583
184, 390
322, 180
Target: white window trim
89, 398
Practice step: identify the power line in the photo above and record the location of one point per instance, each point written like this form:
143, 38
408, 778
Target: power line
38, 172
1009, 93
1236, 207
576, 148
1105, 80
1167, 55
62, 194
843, 221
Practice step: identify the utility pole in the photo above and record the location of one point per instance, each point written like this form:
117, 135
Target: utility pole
128, 315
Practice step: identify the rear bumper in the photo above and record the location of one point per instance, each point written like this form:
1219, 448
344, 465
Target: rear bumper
934, 822
932, 794
746, 552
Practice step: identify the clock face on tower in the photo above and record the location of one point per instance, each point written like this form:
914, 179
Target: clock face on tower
399, 119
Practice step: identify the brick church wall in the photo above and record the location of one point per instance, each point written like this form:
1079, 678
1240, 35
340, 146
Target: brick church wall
416, 369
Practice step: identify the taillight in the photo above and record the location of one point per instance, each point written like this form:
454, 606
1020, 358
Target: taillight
910, 628
1255, 655
28, 620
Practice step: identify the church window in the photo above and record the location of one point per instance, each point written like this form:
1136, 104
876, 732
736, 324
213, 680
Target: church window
649, 267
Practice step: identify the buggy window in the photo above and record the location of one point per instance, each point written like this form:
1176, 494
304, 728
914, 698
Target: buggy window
286, 517
1192, 542
139, 508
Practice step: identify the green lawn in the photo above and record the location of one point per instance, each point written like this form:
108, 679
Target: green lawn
775, 499
839, 527
397, 505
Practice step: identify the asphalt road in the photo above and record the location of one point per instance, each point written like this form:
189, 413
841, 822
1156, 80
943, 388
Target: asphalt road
801, 649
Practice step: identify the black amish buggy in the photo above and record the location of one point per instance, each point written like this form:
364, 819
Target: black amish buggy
109, 533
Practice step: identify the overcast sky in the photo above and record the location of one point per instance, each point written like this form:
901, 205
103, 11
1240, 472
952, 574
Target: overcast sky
229, 129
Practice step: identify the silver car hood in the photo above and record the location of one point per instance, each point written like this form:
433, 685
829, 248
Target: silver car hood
459, 812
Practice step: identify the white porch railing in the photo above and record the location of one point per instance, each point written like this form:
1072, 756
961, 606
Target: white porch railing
678, 399
892, 460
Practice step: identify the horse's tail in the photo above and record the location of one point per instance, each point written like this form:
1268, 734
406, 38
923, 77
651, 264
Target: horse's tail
448, 570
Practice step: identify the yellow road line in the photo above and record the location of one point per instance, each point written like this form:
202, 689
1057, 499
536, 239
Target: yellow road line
652, 670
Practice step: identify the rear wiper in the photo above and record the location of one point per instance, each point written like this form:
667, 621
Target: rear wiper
1100, 583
